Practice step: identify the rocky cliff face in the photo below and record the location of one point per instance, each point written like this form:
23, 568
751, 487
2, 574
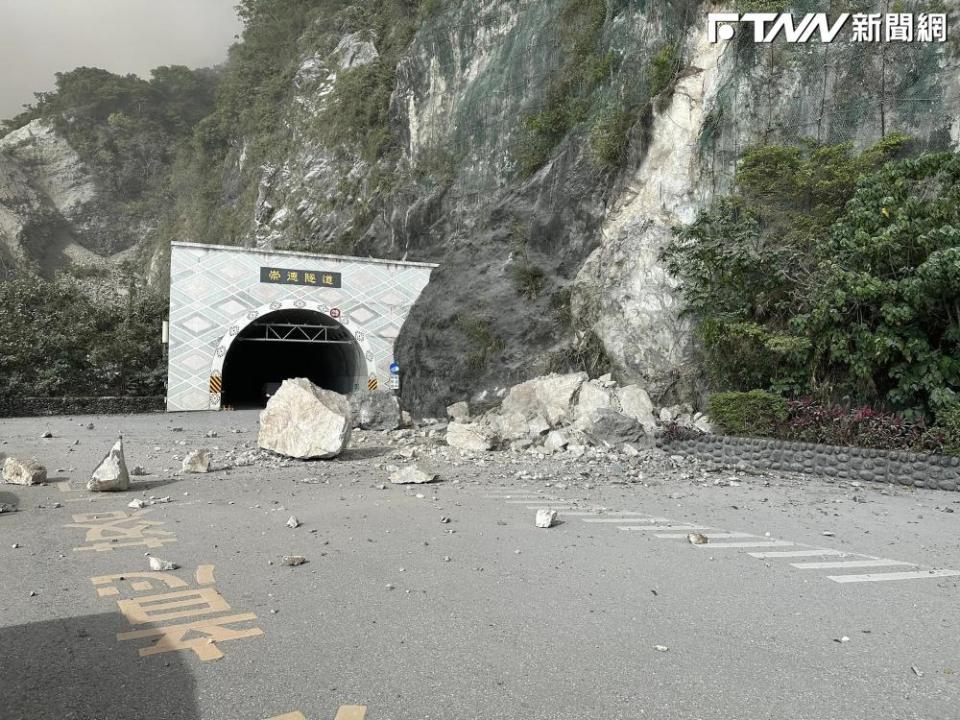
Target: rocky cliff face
52, 213
550, 265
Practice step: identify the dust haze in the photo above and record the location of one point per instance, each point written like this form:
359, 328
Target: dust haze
41, 37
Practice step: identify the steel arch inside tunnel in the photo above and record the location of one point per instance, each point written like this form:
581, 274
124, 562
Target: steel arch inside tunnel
287, 344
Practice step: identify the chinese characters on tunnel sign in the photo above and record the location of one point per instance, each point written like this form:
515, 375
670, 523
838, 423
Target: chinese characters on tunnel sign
315, 278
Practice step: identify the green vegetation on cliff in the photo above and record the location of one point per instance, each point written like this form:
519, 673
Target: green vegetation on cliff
831, 274
59, 339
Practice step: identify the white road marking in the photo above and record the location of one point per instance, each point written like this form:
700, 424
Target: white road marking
625, 519
882, 577
554, 506
665, 527
709, 535
535, 499
609, 514
515, 496
759, 543
840, 565
799, 553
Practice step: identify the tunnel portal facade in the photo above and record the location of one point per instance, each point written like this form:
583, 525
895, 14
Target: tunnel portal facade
243, 320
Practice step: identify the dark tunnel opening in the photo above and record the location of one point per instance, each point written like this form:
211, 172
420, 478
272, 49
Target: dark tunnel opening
288, 344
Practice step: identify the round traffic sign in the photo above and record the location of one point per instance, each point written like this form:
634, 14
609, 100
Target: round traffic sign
394, 368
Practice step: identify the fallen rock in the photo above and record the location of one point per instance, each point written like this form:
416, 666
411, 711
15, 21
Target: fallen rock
412, 475
546, 518
47, 435
703, 424
137, 504
609, 427
538, 426
197, 461
294, 560
550, 396
469, 436
508, 426
636, 403
293, 523
7, 508
556, 441
111, 474
158, 565
23, 472
304, 421
375, 410
459, 412
138, 471
593, 396
697, 539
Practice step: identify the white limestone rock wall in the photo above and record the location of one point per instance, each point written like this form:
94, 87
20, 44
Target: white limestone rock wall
49, 204
623, 293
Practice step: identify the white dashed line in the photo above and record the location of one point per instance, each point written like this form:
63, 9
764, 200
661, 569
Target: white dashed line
666, 528
882, 577
840, 565
759, 543
554, 506
708, 535
635, 521
600, 513
822, 552
625, 520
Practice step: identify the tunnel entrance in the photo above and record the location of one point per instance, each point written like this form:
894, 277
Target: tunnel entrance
288, 344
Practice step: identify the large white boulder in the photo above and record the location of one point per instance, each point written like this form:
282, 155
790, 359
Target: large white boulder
111, 474
23, 472
550, 396
469, 436
305, 422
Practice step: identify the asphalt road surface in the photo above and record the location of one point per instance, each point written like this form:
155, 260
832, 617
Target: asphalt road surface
812, 599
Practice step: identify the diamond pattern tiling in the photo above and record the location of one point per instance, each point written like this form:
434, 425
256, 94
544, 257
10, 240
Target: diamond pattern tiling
214, 289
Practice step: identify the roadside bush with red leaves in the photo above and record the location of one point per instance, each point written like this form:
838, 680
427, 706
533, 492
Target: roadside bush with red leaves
809, 421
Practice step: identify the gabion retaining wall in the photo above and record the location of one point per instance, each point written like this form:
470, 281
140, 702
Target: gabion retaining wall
886, 466
40, 406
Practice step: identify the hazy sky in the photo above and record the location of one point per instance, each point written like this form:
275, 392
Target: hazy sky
41, 37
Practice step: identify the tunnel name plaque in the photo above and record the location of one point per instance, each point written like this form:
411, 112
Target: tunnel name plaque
313, 278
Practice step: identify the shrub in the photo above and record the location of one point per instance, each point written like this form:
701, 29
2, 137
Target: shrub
748, 413
485, 342
944, 436
832, 424
610, 138
529, 280
663, 68
675, 432
568, 97
832, 275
